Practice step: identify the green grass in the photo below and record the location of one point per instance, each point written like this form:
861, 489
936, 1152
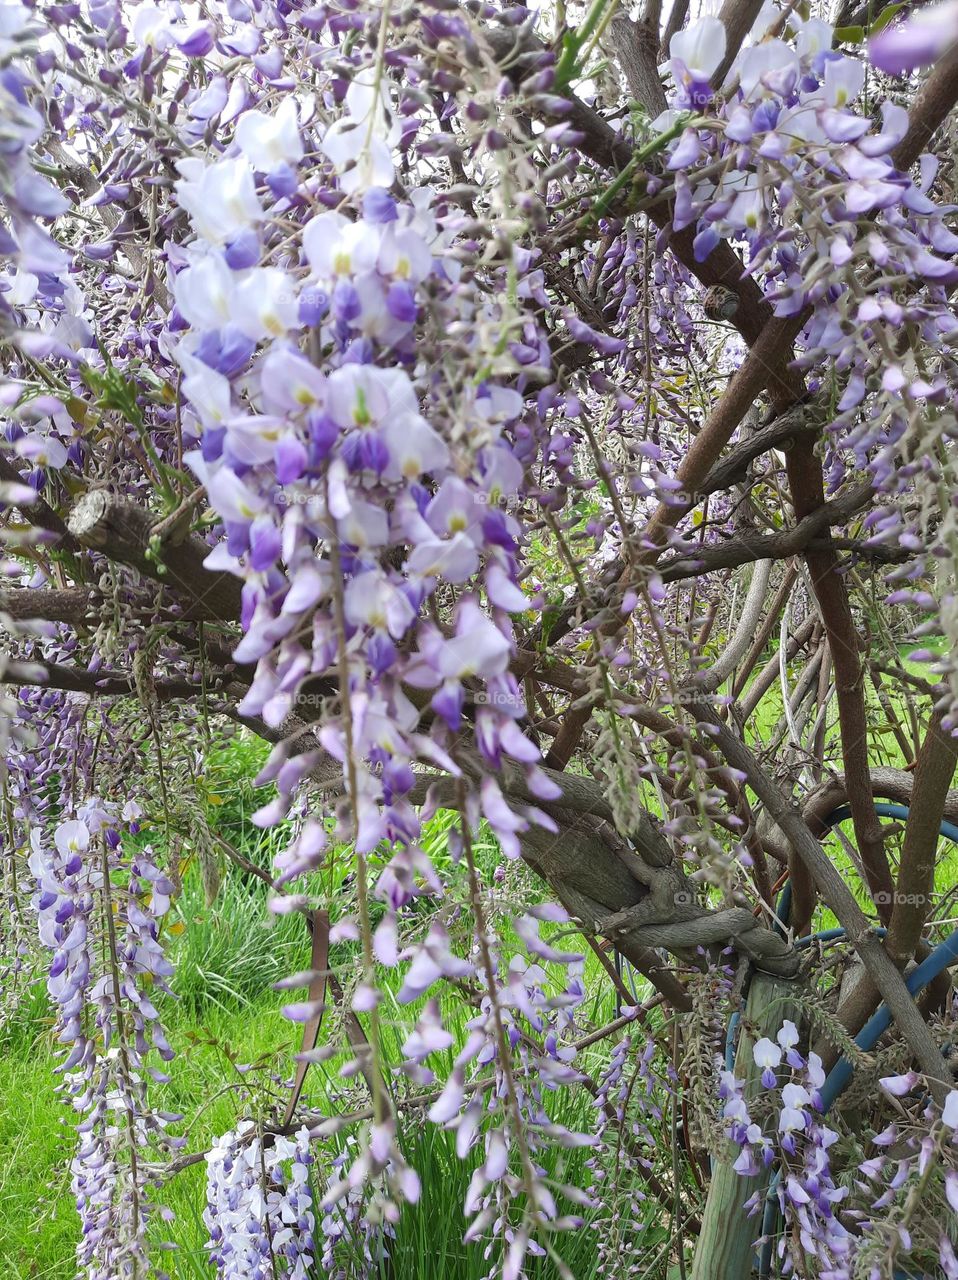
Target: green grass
231, 951
38, 1222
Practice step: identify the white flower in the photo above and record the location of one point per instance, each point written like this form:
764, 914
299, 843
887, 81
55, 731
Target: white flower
699, 48
204, 292
334, 246
228, 495
371, 599
767, 62
289, 383
265, 303
748, 207
151, 26
404, 254
360, 143
249, 1224
414, 447
364, 525
13, 20
791, 1119
788, 1035
23, 289
815, 1071
814, 36
796, 1095
949, 1112
207, 390
364, 395
72, 837
766, 1053
43, 451
844, 81
768, 1056
220, 198
898, 1086
268, 142
251, 439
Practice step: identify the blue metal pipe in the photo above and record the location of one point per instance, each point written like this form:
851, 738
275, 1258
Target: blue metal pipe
945, 954
885, 809
730, 1040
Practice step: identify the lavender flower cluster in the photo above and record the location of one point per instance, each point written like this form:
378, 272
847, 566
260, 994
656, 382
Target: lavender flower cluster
259, 1205
783, 1128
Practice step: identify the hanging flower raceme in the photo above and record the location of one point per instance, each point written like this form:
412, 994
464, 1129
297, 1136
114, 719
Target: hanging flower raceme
341, 446
107, 1022
259, 1205
782, 1128
629, 1103
354, 489
797, 162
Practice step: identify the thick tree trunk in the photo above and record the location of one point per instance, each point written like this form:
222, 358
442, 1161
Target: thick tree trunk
726, 1243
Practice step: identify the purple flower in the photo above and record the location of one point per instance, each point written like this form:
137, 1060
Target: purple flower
922, 38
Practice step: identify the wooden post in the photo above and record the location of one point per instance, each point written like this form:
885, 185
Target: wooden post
725, 1246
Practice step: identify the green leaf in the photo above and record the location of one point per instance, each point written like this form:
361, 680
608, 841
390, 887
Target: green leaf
889, 12
549, 619
849, 35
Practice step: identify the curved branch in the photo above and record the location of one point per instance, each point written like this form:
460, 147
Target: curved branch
126, 532
111, 684
763, 634
780, 433
766, 677
772, 546
929, 111
844, 643
735, 648
934, 774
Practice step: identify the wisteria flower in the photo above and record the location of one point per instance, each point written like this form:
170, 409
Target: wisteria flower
922, 38
220, 198
768, 1056
695, 55
270, 142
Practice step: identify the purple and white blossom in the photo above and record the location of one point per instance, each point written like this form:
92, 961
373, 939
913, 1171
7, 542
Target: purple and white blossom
259, 1205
